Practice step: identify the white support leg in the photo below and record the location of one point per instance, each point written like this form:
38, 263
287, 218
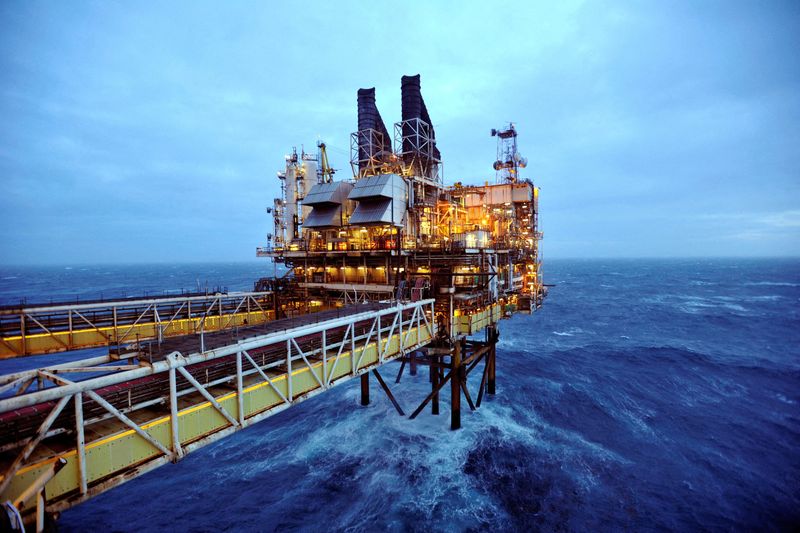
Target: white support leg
177, 451
80, 442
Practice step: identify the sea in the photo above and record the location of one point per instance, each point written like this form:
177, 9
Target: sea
646, 395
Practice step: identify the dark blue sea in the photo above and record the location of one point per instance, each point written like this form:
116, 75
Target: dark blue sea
646, 395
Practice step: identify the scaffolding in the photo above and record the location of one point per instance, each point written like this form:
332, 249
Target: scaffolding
416, 147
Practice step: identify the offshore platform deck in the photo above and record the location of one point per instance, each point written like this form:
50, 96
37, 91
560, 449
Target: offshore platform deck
389, 265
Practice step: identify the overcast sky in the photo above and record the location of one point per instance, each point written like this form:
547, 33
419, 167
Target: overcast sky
148, 132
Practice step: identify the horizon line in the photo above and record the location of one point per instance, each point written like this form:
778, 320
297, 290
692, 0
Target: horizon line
266, 262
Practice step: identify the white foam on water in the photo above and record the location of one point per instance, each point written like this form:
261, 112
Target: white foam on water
693, 304
785, 400
764, 298
771, 284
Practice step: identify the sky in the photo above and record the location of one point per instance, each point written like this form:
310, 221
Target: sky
152, 131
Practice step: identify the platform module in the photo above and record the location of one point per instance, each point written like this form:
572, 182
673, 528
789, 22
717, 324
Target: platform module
396, 231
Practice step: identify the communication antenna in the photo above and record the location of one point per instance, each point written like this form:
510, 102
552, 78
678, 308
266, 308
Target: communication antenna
509, 160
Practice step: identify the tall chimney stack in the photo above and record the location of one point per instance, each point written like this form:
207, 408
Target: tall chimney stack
413, 107
370, 118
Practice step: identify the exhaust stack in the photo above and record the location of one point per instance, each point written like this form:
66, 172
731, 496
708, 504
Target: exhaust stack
374, 143
420, 153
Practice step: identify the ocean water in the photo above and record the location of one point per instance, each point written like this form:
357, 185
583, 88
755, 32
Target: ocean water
646, 395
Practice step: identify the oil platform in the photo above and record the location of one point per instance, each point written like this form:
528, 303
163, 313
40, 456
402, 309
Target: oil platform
388, 265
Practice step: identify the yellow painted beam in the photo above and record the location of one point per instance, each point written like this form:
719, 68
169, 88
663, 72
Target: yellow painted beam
124, 451
79, 339
474, 322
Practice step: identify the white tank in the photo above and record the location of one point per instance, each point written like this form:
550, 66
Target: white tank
309, 171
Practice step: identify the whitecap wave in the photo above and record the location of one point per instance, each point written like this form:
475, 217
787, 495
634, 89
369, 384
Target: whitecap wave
692, 304
784, 399
771, 284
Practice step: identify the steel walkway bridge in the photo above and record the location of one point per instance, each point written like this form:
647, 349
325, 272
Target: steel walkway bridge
46, 328
73, 430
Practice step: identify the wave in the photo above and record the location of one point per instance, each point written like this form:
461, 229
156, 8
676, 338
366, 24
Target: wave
764, 298
771, 284
692, 304
784, 399
695, 307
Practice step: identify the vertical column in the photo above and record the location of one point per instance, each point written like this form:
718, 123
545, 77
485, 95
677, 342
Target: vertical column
325, 378
455, 386
365, 388
491, 381
435, 383
177, 451
80, 442
156, 323
40, 510
239, 389
71, 339
289, 370
380, 341
22, 334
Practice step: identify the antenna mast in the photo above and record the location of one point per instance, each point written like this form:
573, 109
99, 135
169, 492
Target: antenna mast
509, 160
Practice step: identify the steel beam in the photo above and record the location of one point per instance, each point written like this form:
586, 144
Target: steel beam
455, 387
66, 390
365, 388
388, 392
177, 451
491, 386
127, 421
34, 441
80, 442
202, 390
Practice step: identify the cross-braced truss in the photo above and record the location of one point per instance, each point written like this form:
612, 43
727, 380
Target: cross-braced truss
415, 146
37, 329
161, 410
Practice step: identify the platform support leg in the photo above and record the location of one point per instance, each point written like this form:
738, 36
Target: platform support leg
365, 388
455, 387
435, 384
493, 335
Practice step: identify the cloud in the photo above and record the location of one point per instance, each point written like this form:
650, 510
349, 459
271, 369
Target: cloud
637, 120
785, 219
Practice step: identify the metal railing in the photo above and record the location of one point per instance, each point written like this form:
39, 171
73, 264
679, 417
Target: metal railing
49, 328
252, 379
